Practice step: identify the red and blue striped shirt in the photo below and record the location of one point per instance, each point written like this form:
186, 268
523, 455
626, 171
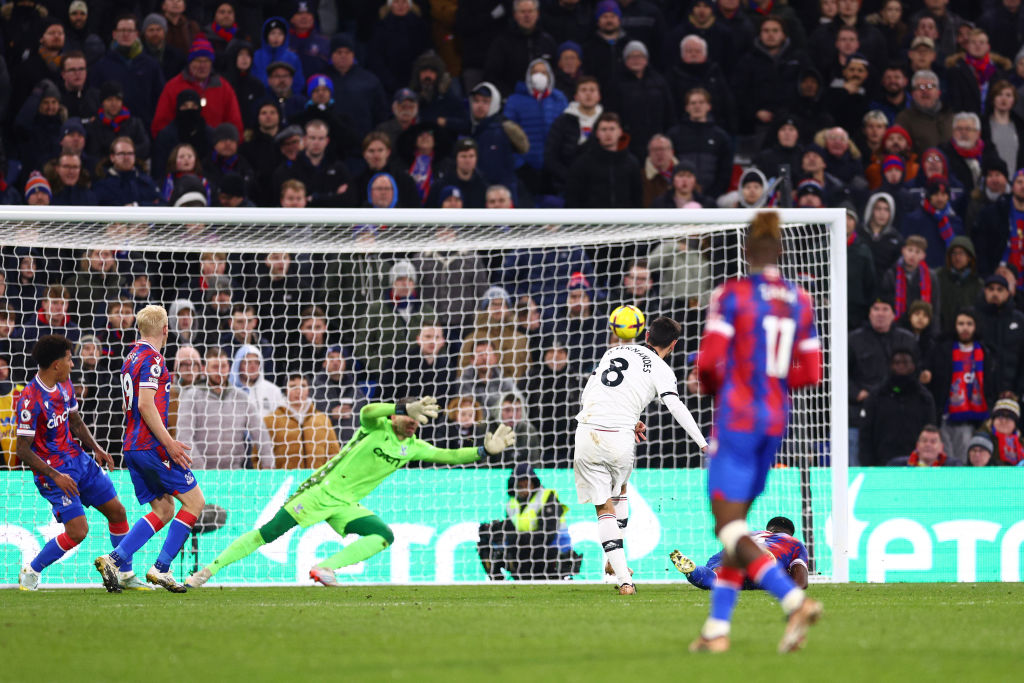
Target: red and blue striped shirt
44, 413
143, 368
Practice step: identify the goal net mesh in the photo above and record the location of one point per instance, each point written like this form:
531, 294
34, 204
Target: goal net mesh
281, 333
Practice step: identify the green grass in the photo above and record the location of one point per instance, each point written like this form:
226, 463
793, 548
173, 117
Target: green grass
532, 634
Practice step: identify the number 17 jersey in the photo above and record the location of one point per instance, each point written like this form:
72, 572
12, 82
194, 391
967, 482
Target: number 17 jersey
144, 368
626, 380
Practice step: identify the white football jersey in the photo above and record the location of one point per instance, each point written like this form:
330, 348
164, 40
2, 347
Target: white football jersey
626, 380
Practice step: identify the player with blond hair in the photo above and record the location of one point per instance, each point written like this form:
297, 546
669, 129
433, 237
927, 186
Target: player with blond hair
759, 342
158, 464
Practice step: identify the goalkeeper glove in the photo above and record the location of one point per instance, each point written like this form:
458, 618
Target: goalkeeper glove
503, 437
423, 410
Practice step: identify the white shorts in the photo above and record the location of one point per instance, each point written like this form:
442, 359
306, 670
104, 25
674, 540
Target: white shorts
603, 462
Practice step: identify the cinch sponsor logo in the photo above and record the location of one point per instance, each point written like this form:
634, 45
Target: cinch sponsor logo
58, 420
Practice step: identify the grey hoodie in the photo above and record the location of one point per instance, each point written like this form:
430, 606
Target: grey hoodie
222, 428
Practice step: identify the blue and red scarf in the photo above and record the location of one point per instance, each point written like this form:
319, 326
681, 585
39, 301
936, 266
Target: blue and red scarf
983, 68
422, 171
967, 390
924, 277
851, 238
942, 218
1014, 253
226, 164
1009, 446
763, 11
114, 123
915, 460
226, 34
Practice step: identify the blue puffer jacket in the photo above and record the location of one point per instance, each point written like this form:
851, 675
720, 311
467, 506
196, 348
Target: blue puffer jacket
535, 113
266, 55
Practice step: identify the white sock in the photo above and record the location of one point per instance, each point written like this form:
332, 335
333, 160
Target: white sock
610, 534
621, 510
715, 628
792, 600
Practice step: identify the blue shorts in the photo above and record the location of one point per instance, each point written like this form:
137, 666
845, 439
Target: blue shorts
94, 488
153, 476
738, 467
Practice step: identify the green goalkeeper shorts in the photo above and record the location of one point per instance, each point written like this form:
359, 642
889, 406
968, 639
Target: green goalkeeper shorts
313, 505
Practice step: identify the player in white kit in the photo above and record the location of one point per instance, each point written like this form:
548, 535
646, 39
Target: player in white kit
626, 380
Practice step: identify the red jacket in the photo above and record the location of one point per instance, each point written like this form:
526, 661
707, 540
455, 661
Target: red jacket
220, 106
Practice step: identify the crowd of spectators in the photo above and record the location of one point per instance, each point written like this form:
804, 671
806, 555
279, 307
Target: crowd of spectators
906, 114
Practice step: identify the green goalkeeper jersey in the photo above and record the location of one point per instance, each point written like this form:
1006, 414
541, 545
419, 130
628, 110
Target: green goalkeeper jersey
373, 454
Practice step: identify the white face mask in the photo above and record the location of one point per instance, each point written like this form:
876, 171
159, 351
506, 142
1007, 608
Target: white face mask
539, 81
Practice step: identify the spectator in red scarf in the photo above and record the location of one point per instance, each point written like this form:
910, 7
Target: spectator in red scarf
1009, 447
910, 278
222, 30
112, 121
935, 221
972, 72
961, 376
964, 149
928, 452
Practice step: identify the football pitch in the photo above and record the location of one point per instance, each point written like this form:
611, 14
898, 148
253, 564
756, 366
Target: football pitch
905, 632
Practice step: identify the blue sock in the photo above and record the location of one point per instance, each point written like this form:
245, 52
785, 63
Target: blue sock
723, 600
177, 533
115, 541
50, 553
137, 537
776, 581
702, 577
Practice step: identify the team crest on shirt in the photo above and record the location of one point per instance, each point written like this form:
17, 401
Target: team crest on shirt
404, 450
64, 500
189, 479
63, 394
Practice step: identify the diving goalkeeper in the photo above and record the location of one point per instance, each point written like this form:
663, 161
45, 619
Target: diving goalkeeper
386, 441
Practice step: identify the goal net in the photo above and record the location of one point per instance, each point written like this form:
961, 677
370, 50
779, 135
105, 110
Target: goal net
285, 323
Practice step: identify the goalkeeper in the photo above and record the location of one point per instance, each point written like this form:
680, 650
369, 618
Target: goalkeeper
386, 440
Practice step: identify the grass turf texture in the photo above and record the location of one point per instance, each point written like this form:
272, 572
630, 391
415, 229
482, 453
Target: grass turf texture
503, 633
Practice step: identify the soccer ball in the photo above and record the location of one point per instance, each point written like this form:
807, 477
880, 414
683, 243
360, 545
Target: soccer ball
627, 322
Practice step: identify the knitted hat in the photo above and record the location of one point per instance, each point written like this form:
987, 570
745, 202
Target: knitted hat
343, 40
810, 186
884, 299
187, 95
225, 131
404, 269
995, 163
570, 46
898, 130
154, 18
686, 166
111, 89
289, 132
72, 125
318, 81
188, 190
37, 183
279, 64
272, 23
893, 160
981, 440
201, 47
78, 6
634, 46
450, 191
997, 280
607, 6
578, 281
495, 292
1007, 407
936, 184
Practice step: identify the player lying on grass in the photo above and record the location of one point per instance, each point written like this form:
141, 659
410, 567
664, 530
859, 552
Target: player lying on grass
385, 442
47, 416
626, 380
776, 540
159, 465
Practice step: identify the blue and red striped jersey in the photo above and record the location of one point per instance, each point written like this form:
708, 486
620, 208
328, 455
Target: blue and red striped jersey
787, 550
758, 328
43, 413
143, 368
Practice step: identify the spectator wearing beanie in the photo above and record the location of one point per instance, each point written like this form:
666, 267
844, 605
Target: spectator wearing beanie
225, 159
935, 220
154, 41
231, 192
181, 29
127, 63
219, 104
37, 126
114, 120
188, 126
274, 48
568, 65
37, 190
981, 451
321, 106
602, 50
895, 142
1005, 430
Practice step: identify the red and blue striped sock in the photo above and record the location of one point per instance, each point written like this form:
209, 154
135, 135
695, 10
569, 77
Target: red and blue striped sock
725, 592
118, 530
139, 535
766, 573
54, 549
181, 527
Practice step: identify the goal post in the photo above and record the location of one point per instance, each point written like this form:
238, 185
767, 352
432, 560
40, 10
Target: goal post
499, 312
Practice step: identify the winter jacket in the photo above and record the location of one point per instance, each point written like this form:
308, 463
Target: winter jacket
396, 43
886, 245
894, 416
126, 188
359, 95
264, 394
959, 289
512, 345
224, 429
221, 103
322, 181
141, 77
709, 149
602, 58
474, 190
511, 53
1002, 329
445, 103
764, 81
926, 130
409, 374
708, 75
645, 105
991, 233
868, 360
249, 90
37, 135
962, 92
266, 55
565, 140
921, 223
602, 179
99, 137
861, 282
535, 112
888, 289
303, 439
75, 196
